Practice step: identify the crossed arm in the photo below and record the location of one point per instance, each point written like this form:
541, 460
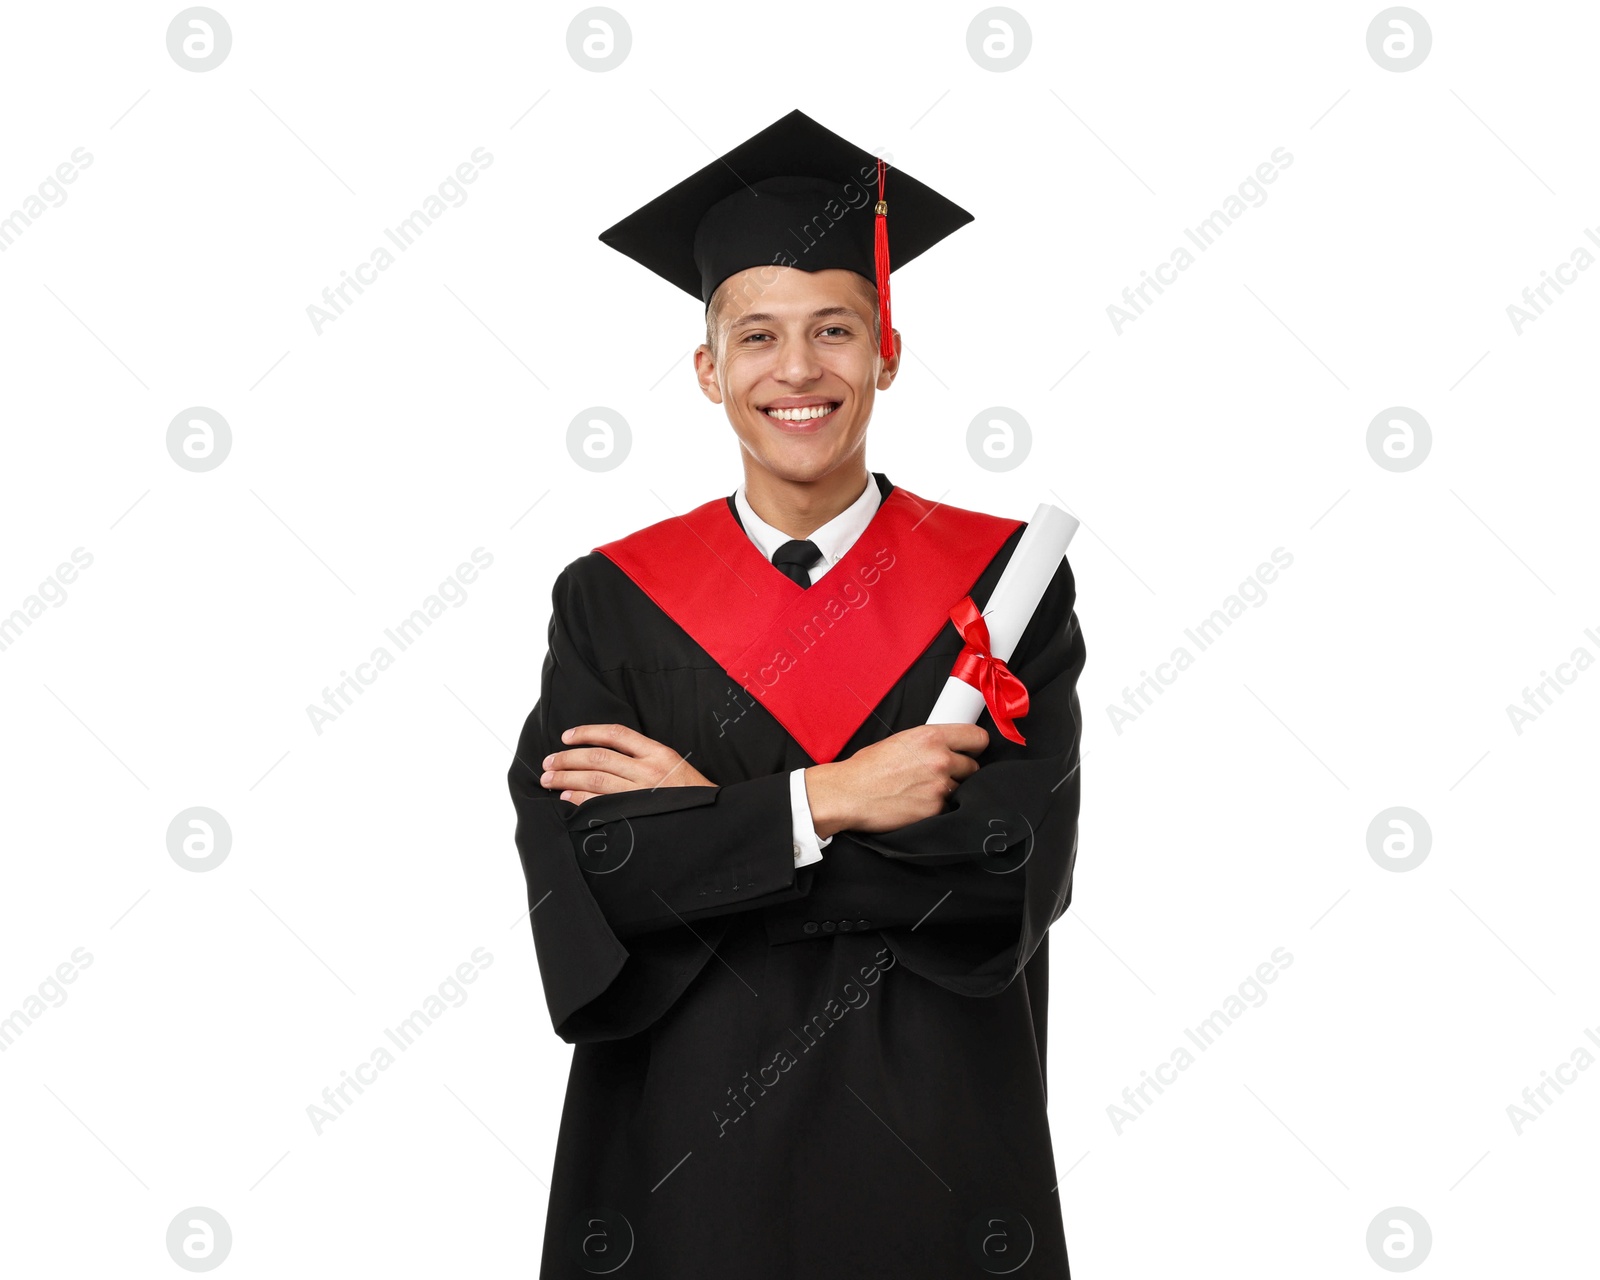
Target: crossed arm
915, 860
901, 779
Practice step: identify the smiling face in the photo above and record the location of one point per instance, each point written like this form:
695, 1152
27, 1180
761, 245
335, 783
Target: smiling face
795, 365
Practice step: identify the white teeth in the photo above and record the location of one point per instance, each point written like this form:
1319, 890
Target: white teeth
801, 415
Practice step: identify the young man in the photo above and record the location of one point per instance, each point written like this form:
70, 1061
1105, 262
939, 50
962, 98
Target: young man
796, 934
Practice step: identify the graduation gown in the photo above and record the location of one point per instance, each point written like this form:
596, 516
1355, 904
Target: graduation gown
835, 1070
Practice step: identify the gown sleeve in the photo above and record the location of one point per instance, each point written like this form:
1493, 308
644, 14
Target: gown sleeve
964, 897
618, 886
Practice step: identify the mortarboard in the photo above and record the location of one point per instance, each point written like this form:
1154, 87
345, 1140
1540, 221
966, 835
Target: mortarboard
795, 194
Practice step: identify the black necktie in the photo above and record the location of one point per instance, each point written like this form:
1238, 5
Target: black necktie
794, 557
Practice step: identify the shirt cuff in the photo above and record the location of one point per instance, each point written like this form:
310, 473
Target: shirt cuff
808, 846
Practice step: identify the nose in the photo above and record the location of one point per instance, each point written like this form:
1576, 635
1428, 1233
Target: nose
798, 364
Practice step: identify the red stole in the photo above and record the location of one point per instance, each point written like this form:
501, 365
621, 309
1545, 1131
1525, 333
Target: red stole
818, 658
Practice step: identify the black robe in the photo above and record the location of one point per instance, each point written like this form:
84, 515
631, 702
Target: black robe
832, 1071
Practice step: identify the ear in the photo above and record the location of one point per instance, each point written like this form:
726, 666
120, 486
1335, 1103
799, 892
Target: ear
705, 370
891, 366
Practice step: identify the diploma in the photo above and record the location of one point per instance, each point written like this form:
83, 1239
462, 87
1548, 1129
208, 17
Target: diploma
1022, 585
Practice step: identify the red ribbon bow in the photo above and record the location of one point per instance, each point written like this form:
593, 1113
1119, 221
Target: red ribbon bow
1003, 693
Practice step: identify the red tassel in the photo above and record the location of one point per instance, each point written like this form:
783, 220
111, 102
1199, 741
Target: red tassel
880, 254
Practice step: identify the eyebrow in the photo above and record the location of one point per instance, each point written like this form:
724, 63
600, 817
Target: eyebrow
762, 317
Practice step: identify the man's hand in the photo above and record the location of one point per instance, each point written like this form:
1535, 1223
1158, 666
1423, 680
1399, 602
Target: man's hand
904, 778
619, 759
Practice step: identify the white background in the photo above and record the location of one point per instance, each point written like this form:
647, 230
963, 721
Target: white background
1230, 419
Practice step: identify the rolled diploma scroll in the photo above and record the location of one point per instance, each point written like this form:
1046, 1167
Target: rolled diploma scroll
1022, 585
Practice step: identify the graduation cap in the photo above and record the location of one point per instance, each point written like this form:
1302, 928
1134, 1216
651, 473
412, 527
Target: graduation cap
796, 195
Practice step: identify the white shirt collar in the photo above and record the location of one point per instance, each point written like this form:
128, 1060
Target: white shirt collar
833, 539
